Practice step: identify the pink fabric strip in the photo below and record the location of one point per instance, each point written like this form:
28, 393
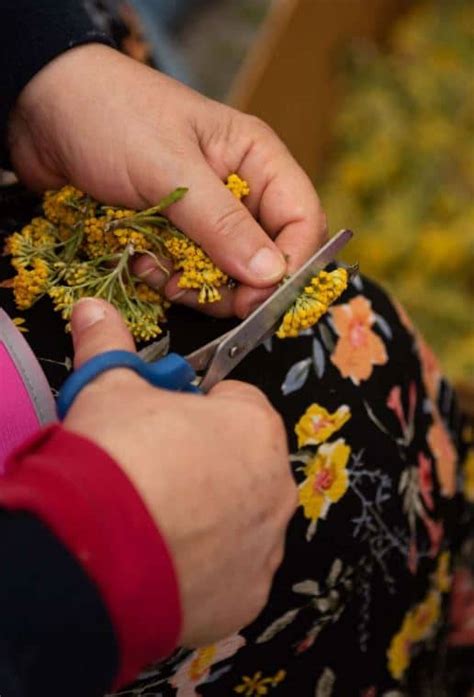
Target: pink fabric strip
17, 414
26, 402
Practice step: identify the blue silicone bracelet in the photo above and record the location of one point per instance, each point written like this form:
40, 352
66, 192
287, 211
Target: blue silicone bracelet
172, 372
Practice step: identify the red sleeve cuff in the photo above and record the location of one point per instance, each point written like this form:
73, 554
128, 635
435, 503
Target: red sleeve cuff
92, 507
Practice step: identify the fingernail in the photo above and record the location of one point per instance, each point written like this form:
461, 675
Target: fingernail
154, 277
86, 312
267, 264
174, 298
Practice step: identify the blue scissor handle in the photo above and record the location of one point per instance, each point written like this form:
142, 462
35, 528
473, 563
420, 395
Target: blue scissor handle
173, 372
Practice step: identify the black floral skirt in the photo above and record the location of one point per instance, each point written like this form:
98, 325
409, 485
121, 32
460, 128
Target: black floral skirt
366, 602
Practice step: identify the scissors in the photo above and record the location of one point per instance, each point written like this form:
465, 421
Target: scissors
215, 359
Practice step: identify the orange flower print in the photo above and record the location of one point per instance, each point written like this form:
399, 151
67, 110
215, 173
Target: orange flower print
327, 480
425, 480
444, 455
358, 348
404, 317
196, 668
317, 424
430, 368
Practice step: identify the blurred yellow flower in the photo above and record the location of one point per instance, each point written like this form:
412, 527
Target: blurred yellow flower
403, 171
417, 625
443, 577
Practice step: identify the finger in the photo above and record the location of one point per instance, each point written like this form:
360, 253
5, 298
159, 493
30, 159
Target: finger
282, 196
234, 389
222, 308
97, 327
155, 272
211, 216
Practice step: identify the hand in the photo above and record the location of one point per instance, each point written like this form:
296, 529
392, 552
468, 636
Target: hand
212, 470
129, 135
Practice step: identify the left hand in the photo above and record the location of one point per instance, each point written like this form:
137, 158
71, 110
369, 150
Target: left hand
128, 135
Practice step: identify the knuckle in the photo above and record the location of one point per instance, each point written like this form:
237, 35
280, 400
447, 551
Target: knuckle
262, 413
261, 127
229, 222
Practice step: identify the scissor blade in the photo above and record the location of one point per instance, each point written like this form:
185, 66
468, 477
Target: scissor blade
156, 350
239, 342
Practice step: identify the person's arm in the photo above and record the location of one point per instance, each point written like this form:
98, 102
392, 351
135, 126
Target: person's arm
56, 636
134, 472
86, 589
33, 33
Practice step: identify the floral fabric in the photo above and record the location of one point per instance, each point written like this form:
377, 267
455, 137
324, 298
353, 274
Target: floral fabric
360, 604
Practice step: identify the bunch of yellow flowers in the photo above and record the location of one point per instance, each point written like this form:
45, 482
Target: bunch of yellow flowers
403, 170
81, 248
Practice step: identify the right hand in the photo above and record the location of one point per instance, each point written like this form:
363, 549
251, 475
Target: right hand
212, 470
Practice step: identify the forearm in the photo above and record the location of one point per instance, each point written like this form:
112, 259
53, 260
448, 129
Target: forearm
32, 33
102, 538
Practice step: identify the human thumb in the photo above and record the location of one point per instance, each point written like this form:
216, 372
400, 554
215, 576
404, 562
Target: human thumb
97, 327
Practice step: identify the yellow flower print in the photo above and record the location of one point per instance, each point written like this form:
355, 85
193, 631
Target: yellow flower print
317, 424
327, 480
399, 654
417, 626
424, 616
202, 660
196, 668
442, 575
258, 685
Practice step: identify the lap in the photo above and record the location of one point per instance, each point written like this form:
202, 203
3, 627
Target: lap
374, 435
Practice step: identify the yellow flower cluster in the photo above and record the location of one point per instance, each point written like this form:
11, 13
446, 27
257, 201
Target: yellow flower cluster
198, 271
67, 206
403, 171
30, 283
237, 186
313, 302
81, 248
419, 622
